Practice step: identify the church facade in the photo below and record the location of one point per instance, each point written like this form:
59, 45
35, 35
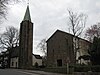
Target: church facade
60, 50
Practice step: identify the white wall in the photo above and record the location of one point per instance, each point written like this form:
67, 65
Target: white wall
83, 50
34, 60
14, 62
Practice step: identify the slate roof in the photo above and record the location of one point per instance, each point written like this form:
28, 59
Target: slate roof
15, 52
27, 15
37, 56
65, 34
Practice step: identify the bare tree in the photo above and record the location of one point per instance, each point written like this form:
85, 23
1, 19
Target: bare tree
3, 7
10, 38
93, 31
42, 46
77, 23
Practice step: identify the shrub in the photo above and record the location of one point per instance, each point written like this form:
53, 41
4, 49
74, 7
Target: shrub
86, 68
36, 65
95, 68
81, 68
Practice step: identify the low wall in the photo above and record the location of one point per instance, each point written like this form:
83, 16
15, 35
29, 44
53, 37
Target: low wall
58, 70
87, 73
64, 71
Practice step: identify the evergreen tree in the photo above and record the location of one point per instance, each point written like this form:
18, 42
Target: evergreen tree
95, 51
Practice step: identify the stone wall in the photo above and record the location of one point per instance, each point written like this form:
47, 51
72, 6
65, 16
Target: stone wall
87, 73
60, 48
26, 44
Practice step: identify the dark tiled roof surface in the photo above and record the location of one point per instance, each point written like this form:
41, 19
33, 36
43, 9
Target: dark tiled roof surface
65, 34
37, 56
15, 52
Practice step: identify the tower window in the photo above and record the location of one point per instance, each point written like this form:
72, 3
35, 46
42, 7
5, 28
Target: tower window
12, 63
59, 62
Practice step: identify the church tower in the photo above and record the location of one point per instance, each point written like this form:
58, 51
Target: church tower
26, 41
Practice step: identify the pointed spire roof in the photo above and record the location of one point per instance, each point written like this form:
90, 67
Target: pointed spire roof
27, 14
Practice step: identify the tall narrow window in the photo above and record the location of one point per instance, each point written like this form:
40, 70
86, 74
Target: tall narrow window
16, 64
12, 63
59, 62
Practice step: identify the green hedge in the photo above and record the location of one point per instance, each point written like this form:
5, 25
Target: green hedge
86, 68
95, 68
81, 68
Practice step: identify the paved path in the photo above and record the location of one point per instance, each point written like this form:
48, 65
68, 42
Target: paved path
40, 72
25, 72
13, 72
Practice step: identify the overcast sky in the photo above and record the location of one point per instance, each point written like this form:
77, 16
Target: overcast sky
50, 15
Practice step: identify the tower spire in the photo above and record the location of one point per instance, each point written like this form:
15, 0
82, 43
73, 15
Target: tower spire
28, 3
27, 13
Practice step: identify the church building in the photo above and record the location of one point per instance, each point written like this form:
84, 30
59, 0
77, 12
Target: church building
26, 41
60, 50
21, 56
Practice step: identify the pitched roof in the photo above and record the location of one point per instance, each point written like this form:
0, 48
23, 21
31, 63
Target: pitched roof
14, 52
27, 15
58, 31
66, 34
